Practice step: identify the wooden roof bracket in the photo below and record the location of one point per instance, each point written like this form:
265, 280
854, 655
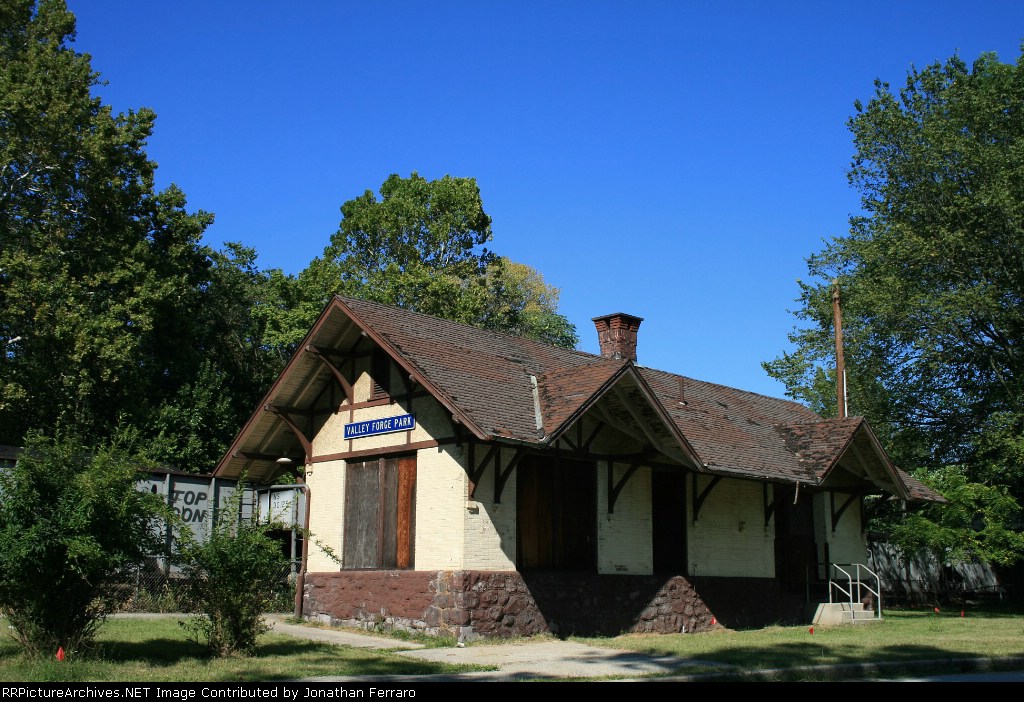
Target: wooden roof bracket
501, 476
585, 445
698, 498
282, 414
615, 488
475, 473
321, 355
837, 515
769, 507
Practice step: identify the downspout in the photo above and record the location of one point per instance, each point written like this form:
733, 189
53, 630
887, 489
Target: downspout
300, 578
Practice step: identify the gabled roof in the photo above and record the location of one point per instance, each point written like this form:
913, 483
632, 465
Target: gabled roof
823, 444
506, 388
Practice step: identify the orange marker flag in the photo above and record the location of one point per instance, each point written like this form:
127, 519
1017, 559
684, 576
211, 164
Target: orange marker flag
60, 653
811, 631
713, 621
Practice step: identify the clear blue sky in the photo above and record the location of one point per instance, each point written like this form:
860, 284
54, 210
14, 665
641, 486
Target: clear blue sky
676, 160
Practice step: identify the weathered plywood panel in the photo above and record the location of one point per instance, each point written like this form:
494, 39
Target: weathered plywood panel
405, 496
362, 515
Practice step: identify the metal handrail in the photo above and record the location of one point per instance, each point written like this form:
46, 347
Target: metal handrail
855, 584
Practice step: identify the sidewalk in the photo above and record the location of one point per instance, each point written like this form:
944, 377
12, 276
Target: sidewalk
528, 660
567, 660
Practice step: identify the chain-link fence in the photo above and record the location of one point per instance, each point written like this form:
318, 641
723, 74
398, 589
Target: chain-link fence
155, 588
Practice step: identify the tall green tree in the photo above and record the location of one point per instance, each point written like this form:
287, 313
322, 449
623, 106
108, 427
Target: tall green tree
520, 302
422, 246
932, 281
111, 308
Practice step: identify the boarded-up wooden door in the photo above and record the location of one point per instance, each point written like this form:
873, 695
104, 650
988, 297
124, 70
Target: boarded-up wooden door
796, 554
668, 522
556, 514
380, 513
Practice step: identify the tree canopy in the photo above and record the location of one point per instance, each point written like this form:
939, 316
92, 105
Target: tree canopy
111, 309
113, 312
422, 246
931, 274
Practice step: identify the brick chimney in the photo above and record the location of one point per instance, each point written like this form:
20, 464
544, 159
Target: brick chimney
617, 335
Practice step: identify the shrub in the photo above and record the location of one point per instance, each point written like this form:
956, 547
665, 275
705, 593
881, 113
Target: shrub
71, 523
233, 577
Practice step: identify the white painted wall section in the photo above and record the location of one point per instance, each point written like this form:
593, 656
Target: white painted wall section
624, 537
729, 538
326, 483
491, 527
440, 510
847, 544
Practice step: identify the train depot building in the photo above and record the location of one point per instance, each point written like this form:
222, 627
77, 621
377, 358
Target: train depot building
466, 482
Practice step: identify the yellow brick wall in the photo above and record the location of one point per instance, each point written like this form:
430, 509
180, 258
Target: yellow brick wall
624, 536
431, 422
729, 538
847, 543
490, 533
451, 532
440, 510
326, 498
440, 481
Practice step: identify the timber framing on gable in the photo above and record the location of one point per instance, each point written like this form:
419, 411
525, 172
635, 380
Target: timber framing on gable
285, 415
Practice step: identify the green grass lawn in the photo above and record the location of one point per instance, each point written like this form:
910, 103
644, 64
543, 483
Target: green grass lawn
993, 630
156, 650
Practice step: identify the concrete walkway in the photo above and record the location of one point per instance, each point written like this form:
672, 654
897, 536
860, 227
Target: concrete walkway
553, 659
527, 660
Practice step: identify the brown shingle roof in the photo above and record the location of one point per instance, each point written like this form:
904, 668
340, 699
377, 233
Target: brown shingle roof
485, 374
732, 430
563, 391
484, 378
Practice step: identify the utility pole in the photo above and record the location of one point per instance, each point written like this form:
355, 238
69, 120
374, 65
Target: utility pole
837, 316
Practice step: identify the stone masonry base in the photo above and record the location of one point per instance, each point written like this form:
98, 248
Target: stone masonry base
500, 604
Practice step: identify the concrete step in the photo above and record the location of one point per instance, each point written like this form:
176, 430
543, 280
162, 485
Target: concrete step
860, 615
829, 613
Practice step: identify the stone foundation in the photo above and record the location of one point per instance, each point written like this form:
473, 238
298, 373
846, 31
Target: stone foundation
501, 604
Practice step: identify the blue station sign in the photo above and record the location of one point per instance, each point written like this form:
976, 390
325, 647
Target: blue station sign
386, 425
